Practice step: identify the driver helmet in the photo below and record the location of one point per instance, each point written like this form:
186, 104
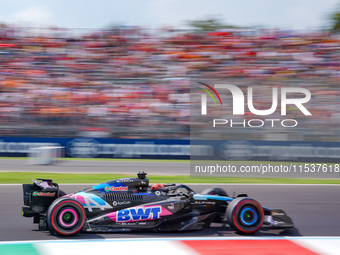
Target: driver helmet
157, 187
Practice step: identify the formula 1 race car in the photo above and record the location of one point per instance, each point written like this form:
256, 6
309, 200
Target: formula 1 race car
128, 204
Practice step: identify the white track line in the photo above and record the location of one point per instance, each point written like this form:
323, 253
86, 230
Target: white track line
310, 238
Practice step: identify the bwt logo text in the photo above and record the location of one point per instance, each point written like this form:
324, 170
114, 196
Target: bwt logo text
239, 102
139, 214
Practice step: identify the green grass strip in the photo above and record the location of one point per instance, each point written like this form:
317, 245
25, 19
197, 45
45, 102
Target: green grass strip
23, 177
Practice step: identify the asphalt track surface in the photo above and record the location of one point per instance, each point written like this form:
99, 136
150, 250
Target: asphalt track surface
313, 208
104, 166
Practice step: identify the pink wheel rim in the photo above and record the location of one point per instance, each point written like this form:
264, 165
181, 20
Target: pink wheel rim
73, 212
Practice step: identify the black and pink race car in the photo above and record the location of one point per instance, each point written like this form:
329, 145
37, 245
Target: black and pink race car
129, 204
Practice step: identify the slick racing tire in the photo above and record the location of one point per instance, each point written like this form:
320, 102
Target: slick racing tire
65, 216
217, 191
245, 215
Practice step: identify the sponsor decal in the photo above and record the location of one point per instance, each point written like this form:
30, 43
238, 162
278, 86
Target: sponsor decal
128, 223
171, 206
111, 188
115, 203
276, 223
91, 201
43, 194
205, 203
139, 213
125, 180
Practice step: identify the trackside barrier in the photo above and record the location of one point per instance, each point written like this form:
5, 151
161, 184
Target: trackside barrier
293, 151
102, 147
45, 155
186, 246
230, 150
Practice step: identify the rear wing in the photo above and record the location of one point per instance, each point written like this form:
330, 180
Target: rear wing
39, 195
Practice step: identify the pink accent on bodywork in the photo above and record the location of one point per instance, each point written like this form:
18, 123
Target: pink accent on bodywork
164, 212
68, 195
79, 198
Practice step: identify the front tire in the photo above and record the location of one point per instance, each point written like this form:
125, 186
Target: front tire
245, 215
65, 216
217, 191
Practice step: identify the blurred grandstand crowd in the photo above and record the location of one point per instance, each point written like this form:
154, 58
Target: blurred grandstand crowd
135, 83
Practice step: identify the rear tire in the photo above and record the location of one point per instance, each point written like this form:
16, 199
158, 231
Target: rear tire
245, 215
42, 222
65, 216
